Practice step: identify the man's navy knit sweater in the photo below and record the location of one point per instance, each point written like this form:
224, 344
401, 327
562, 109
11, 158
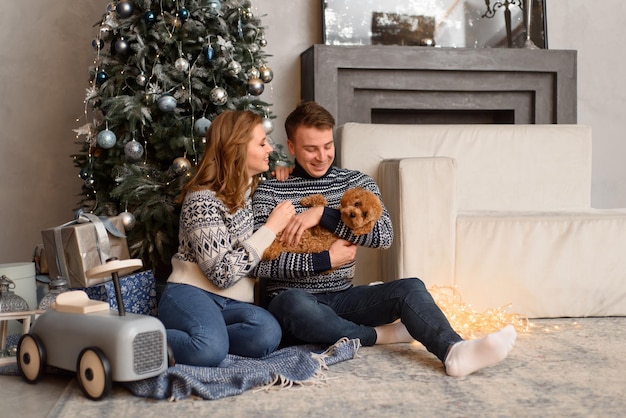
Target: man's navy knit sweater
310, 271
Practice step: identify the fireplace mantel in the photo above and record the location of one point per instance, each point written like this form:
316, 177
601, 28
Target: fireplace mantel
402, 84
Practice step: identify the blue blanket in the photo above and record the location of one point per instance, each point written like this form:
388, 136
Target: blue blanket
303, 364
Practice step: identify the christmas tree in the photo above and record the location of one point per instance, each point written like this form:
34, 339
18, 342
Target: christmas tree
163, 69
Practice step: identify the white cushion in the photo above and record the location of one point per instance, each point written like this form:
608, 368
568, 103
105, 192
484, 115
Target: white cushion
500, 167
550, 264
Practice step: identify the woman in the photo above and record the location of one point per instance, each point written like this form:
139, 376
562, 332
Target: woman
206, 306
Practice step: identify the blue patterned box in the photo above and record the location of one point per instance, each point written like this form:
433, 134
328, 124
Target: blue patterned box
138, 293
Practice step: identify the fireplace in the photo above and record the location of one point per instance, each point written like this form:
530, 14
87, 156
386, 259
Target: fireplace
426, 85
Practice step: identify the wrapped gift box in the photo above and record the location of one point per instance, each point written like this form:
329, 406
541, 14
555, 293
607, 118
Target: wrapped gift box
84, 246
138, 292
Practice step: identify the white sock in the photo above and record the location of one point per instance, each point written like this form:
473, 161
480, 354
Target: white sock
466, 357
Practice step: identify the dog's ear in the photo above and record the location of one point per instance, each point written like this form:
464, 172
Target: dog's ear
376, 208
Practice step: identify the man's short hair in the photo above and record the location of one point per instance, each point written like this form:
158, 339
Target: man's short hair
308, 114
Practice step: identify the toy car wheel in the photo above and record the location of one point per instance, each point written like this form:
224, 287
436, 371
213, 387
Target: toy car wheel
31, 357
94, 373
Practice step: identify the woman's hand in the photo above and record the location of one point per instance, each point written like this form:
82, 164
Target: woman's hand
280, 217
300, 223
281, 172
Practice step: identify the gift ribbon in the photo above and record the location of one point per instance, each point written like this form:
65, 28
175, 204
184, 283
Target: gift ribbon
102, 226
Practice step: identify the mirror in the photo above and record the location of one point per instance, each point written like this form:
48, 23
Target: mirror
442, 23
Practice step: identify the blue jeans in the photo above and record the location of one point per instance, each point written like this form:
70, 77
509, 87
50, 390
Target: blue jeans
203, 327
326, 317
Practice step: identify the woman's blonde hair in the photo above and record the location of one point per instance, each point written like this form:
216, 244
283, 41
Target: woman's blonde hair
223, 167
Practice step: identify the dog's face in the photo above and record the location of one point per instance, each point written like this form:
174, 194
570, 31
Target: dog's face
360, 209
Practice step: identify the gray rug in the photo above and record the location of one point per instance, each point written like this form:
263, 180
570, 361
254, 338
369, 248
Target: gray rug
563, 368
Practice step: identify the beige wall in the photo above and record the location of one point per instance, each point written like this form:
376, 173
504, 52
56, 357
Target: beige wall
46, 50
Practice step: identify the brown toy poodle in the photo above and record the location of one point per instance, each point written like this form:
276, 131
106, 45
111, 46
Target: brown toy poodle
360, 209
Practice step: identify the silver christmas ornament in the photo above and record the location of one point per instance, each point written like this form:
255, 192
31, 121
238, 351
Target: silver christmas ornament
218, 96
263, 42
268, 125
141, 79
182, 64
167, 103
121, 47
106, 139
124, 9
234, 68
253, 72
267, 74
133, 150
255, 86
181, 165
247, 14
128, 219
201, 125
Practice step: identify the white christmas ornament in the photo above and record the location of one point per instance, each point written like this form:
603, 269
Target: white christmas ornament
182, 65
128, 220
133, 150
268, 125
201, 125
167, 103
106, 139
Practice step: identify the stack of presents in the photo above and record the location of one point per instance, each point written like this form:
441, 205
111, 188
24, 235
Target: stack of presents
73, 248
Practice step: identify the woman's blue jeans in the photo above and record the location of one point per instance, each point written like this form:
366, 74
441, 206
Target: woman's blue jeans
326, 317
202, 327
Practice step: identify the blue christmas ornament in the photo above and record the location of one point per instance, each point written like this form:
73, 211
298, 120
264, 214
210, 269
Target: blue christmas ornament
106, 139
210, 53
149, 17
183, 14
84, 173
101, 77
97, 44
201, 126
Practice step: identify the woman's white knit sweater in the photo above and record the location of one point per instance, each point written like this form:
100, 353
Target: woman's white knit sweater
217, 250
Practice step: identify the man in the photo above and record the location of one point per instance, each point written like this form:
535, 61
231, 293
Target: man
314, 305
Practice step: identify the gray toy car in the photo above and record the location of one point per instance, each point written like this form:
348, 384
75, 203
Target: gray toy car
99, 344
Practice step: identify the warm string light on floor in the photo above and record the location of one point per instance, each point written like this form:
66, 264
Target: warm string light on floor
472, 324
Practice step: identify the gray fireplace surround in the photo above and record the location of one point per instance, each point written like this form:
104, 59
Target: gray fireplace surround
426, 85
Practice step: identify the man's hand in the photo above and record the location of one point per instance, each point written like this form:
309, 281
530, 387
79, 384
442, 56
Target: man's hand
301, 222
341, 252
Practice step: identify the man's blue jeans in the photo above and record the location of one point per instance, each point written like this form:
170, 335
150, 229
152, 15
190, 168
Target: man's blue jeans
326, 317
203, 327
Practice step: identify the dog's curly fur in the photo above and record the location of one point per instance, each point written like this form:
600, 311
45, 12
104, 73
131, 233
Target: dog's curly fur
360, 209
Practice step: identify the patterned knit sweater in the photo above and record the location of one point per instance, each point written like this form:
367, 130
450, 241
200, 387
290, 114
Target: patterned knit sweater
217, 250
309, 271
